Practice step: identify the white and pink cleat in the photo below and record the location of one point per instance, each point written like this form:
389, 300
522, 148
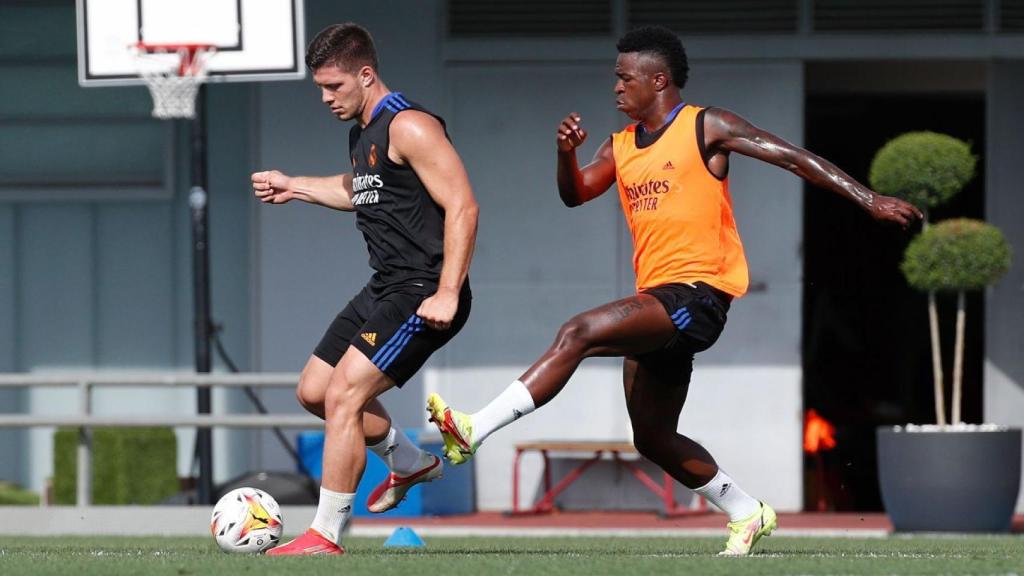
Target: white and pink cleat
392, 490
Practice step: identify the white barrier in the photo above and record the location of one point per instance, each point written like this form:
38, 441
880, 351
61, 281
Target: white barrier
85, 421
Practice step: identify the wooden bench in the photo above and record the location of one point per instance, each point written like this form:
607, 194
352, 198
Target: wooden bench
595, 450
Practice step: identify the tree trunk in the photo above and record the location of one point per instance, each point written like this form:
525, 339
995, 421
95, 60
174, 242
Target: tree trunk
933, 323
958, 358
933, 328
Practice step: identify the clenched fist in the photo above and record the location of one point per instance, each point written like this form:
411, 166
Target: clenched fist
272, 187
570, 135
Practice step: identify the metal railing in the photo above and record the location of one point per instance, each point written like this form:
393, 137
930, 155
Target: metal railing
85, 420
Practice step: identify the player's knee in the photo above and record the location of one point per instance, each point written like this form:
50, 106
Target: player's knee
650, 442
310, 398
344, 400
310, 393
338, 398
306, 400
574, 335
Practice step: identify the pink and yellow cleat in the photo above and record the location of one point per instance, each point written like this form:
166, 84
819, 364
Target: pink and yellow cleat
310, 543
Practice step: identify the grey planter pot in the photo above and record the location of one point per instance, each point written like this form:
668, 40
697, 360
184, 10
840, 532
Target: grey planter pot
943, 481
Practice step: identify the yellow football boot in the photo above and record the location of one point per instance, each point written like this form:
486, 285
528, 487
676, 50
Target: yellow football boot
456, 430
743, 534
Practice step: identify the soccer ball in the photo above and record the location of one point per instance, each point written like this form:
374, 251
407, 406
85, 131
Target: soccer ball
246, 521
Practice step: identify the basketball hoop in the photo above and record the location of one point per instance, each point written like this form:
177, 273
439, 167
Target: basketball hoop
173, 87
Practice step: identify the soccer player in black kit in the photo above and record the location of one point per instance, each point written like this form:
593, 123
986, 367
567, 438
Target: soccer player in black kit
416, 210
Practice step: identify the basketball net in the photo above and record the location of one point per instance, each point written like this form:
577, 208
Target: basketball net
173, 87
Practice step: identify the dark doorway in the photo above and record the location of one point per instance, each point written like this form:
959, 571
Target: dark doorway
866, 355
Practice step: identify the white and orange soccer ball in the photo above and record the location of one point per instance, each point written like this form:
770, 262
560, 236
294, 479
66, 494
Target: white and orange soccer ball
246, 521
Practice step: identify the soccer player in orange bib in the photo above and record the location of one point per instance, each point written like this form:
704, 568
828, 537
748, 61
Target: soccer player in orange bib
671, 167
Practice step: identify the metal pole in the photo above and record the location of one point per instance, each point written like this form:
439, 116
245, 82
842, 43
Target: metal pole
197, 200
83, 491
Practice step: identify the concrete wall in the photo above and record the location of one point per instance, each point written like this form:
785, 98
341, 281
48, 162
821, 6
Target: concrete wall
12, 442
1004, 318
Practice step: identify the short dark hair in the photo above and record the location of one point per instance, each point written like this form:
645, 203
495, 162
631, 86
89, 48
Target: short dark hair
661, 42
348, 46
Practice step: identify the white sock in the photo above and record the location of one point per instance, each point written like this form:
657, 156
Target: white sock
506, 408
400, 454
723, 492
332, 514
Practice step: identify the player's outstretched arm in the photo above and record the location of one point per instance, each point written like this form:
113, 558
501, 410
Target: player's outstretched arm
575, 185
419, 140
273, 187
726, 132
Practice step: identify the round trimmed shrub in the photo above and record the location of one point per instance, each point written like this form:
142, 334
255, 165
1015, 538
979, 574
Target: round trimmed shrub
923, 168
954, 255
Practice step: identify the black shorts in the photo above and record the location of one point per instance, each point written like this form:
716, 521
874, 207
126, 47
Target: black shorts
382, 324
699, 313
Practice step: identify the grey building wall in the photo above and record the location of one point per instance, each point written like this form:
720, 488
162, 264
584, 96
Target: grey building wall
12, 442
95, 261
1004, 208
1004, 317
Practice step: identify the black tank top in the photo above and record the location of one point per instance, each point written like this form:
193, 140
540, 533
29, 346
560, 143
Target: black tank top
402, 225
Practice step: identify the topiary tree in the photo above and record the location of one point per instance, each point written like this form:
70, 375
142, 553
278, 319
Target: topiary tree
925, 169
956, 256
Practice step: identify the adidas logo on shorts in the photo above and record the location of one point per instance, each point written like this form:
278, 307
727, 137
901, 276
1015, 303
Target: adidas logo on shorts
370, 337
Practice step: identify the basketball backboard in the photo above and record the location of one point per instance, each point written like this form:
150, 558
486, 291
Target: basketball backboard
254, 39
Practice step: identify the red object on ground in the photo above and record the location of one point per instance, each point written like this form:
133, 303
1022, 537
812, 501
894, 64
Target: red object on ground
819, 434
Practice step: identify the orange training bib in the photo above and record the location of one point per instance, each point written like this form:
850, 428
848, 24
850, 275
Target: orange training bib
680, 215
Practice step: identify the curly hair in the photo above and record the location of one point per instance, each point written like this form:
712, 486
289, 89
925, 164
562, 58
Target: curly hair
661, 42
348, 46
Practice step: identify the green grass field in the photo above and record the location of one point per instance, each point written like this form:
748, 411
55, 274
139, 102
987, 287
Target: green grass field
534, 556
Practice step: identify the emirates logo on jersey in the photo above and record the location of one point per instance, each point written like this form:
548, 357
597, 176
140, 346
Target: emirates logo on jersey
362, 182
373, 155
366, 189
644, 196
